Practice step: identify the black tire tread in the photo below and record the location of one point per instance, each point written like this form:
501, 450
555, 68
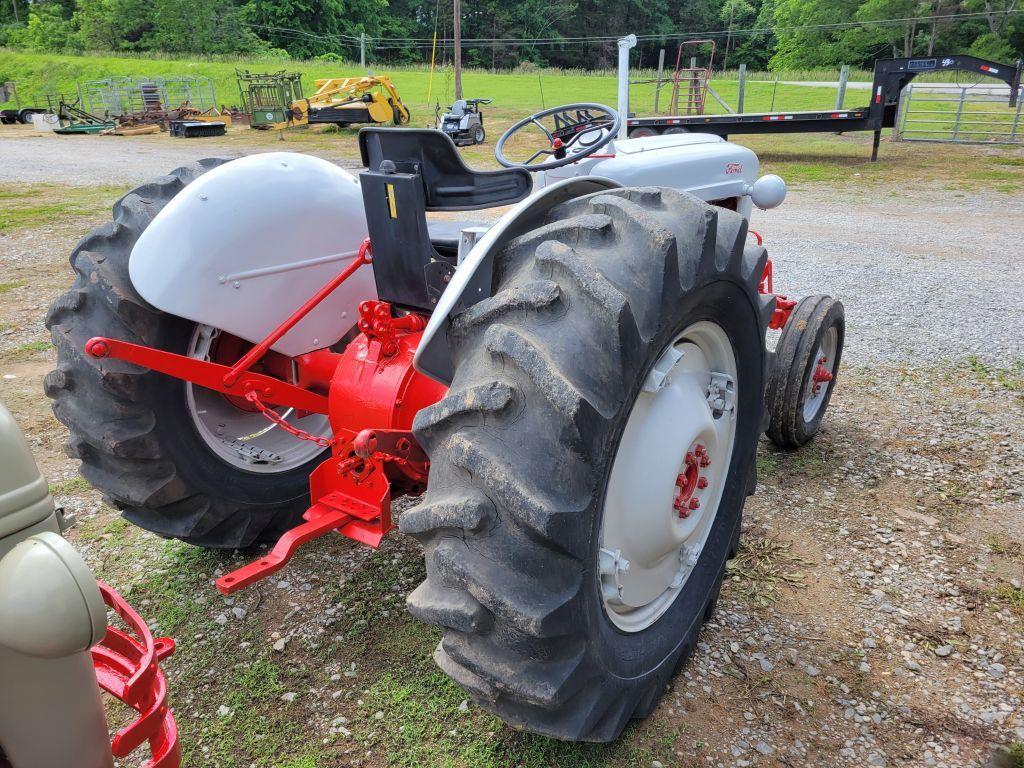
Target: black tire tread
112, 426
593, 283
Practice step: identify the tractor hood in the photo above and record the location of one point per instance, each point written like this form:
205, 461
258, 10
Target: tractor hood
655, 143
704, 165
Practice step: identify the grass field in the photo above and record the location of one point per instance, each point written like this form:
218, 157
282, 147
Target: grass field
514, 93
39, 74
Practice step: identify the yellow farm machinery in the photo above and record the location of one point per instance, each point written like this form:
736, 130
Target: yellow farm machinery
276, 101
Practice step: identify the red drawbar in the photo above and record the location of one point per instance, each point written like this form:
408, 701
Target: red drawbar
128, 668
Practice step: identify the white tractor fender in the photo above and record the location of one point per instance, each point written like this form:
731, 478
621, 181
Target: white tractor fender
248, 242
472, 279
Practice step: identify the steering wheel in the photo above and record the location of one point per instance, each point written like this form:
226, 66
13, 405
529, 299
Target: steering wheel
573, 123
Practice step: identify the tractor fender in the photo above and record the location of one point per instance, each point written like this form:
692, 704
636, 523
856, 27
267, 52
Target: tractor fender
471, 282
246, 243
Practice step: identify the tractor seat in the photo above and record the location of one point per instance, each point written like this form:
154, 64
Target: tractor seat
458, 108
448, 183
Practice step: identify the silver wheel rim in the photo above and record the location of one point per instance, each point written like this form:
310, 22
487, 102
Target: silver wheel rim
667, 477
820, 378
243, 439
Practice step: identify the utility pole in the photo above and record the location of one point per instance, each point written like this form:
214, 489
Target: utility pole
458, 49
362, 50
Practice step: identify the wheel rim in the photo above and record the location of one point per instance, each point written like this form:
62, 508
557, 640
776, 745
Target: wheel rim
246, 439
820, 377
668, 476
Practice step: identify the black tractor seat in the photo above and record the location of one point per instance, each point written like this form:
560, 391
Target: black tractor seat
448, 183
410, 171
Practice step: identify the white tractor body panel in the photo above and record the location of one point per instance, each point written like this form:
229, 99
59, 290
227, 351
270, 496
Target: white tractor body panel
702, 164
248, 242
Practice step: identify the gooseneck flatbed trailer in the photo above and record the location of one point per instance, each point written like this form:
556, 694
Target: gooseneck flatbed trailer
891, 76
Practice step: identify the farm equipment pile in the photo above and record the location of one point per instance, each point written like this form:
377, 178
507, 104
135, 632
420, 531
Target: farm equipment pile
269, 349
275, 100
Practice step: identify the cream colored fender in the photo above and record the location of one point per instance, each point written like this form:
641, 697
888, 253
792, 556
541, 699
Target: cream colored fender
247, 243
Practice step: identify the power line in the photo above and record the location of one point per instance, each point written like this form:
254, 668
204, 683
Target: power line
484, 41
405, 43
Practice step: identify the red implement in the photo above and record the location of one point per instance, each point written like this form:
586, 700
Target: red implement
127, 667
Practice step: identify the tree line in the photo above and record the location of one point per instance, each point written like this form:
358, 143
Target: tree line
763, 34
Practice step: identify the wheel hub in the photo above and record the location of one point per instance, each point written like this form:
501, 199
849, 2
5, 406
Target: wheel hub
668, 476
821, 374
691, 480
234, 430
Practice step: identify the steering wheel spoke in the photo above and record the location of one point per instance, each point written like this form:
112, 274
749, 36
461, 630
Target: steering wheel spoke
541, 125
574, 121
537, 154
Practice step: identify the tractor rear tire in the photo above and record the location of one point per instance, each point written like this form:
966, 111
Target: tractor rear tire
131, 428
795, 407
546, 374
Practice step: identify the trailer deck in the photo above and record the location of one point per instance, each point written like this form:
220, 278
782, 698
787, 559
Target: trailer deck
890, 77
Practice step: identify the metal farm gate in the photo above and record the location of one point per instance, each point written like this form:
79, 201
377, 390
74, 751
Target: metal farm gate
973, 114
125, 95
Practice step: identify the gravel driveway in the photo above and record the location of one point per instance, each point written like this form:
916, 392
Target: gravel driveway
83, 161
924, 278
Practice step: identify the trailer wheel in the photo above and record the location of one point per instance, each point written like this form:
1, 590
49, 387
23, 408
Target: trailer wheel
158, 448
642, 133
806, 365
606, 405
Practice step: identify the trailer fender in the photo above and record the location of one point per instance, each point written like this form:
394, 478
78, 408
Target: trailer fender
246, 243
471, 282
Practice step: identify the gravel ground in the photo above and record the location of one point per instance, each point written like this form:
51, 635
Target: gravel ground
41, 158
875, 616
924, 277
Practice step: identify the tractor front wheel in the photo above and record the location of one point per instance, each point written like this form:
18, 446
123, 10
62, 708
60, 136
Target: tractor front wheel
177, 459
807, 359
590, 464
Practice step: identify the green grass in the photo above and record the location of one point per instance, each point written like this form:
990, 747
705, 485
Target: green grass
38, 74
25, 352
1009, 377
1011, 596
72, 485
425, 727
37, 205
1015, 755
8, 287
